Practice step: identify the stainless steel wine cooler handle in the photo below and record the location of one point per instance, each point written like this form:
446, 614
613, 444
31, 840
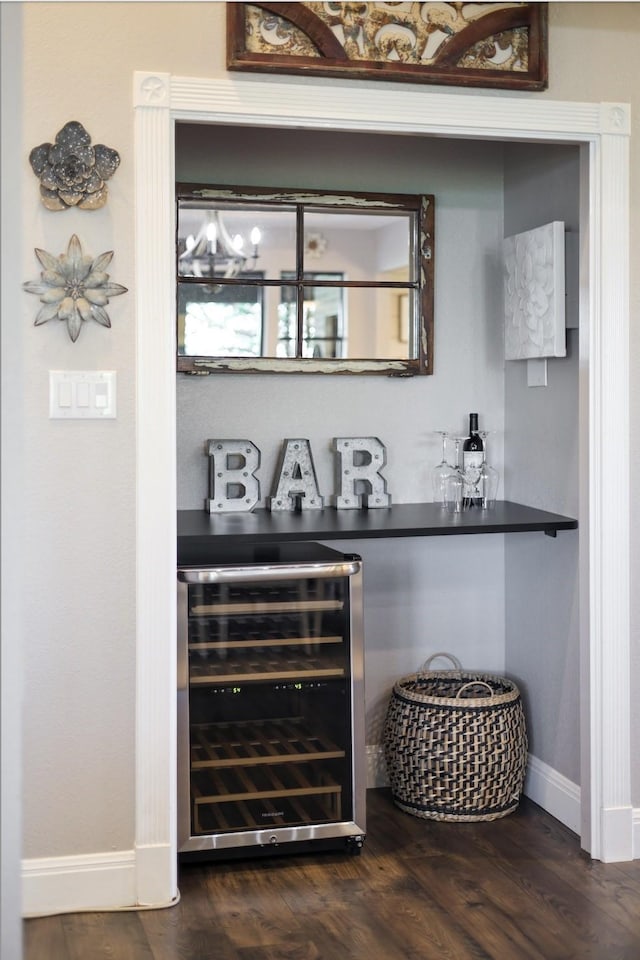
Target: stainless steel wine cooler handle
281, 571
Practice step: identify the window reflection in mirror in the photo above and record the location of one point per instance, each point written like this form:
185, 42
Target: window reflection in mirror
220, 321
323, 319
282, 281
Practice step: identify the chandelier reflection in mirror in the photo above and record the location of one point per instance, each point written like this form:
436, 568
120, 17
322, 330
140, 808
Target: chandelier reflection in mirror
254, 295
214, 252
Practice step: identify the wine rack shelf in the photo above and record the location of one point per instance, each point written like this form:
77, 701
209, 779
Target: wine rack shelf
244, 774
309, 808
259, 642
286, 606
258, 665
259, 742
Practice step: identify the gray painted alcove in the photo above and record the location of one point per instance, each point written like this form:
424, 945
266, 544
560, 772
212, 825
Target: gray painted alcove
601, 131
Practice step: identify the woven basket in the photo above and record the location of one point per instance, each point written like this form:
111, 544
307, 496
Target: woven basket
455, 744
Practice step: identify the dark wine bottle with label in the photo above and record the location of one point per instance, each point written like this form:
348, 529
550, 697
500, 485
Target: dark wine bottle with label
472, 457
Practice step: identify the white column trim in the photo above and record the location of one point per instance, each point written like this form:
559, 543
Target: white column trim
611, 811
156, 868
159, 100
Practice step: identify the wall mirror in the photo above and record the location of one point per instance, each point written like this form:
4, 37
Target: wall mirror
279, 281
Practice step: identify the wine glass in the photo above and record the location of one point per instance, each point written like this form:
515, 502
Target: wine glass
489, 477
441, 471
454, 483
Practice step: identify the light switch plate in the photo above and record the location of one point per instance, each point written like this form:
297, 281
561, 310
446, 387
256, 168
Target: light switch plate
82, 394
537, 372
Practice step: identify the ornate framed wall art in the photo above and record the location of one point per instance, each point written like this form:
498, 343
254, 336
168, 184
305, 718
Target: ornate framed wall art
461, 44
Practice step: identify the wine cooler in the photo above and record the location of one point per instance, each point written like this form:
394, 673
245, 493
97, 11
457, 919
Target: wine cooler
270, 702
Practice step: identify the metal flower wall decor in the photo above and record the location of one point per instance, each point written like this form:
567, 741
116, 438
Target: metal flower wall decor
71, 171
73, 287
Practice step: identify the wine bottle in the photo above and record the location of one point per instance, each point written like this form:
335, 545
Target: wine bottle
472, 457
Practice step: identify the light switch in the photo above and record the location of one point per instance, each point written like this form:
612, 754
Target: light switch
82, 394
537, 372
65, 394
102, 396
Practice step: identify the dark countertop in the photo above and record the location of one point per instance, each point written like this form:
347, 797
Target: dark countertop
197, 527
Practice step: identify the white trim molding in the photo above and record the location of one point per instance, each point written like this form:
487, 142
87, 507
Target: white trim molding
156, 753
636, 833
99, 881
159, 101
608, 503
554, 793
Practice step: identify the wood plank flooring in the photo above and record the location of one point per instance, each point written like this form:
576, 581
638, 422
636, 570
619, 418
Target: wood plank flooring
514, 889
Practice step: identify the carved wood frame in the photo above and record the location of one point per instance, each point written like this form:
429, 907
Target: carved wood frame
446, 67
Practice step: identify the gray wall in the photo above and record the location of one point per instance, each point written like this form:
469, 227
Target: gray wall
468, 369
78, 494
421, 596
541, 440
426, 610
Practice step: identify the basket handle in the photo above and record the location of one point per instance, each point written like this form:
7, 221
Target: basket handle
449, 656
475, 683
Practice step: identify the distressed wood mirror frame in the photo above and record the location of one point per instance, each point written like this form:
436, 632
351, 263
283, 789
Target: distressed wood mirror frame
329, 283
474, 45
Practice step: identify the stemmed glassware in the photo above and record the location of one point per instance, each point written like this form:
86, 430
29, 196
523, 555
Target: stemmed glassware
454, 483
441, 471
489, 477
456, 489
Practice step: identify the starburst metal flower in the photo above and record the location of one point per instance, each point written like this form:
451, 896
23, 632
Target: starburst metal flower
73, 288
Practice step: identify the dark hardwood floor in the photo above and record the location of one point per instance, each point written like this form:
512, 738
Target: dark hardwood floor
514, 888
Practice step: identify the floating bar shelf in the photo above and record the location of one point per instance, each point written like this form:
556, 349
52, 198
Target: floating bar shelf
200, 533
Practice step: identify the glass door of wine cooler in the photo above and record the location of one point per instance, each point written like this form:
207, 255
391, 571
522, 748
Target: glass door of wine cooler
270, 702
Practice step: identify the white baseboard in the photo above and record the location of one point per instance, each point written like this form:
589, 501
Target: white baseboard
553, 792
157, 875
636, 833
98, 881
107, 881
